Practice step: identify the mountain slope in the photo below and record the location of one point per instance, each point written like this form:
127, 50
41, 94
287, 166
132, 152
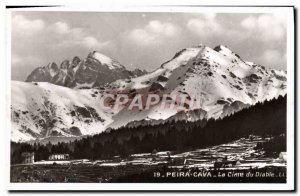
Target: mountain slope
42, 110
219, 78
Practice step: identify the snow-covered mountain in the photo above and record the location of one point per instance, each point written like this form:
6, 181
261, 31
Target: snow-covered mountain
94, 71
224, 82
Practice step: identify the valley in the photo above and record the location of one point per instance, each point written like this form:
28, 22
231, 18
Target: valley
165, 166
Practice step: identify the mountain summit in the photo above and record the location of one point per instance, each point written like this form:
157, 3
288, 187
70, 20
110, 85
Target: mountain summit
94, 71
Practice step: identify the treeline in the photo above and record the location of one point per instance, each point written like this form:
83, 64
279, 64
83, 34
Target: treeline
268, 118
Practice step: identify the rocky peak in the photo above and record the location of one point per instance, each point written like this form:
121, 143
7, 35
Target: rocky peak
76, 60
226, 51
95, 70
105, 60
53, 66
218, 48
65, 64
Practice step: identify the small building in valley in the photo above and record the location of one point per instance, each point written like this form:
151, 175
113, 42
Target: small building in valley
27, 157
282, 156
58, 157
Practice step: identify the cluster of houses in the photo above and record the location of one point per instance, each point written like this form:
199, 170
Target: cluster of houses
28, 157
57, 157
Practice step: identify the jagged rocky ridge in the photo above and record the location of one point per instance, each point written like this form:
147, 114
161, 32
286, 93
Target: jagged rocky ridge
225, 83
94, 71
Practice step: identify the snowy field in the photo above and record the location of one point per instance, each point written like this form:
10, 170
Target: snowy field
141, 167
243, 151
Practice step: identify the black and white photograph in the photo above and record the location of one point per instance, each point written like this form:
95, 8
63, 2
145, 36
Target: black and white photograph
191, 95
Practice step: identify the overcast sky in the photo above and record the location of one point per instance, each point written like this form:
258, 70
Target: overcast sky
143, 40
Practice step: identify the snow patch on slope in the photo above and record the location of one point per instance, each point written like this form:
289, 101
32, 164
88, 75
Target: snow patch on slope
41, 110
106, 60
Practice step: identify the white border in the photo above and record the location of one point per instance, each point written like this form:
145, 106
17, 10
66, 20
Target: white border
166, 186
